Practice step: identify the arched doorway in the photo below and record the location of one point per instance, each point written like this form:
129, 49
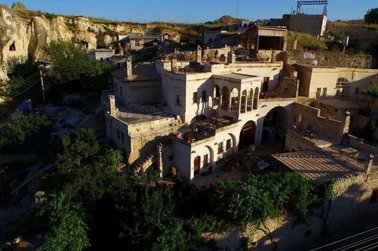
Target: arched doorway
275, 127
197, 165
247, 135
225, 98
216, 97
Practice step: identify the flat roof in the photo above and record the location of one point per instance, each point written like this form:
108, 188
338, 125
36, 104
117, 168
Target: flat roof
317, 166
141, 72
236, 76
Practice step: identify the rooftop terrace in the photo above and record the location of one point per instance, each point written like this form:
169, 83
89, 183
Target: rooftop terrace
203, 128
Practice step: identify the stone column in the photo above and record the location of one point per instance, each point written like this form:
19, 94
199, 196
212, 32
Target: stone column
199, 54
159, 160
246, 103
239, 103
129, 68
229, 103
253, 98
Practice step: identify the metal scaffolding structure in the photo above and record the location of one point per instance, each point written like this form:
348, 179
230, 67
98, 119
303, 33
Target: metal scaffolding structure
314, 2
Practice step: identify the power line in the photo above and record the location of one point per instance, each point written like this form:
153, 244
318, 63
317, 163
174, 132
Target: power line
23, 91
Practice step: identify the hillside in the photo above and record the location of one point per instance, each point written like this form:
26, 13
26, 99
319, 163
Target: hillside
363, 37
27, 32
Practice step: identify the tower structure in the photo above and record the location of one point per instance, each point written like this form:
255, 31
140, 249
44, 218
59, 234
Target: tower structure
313, 2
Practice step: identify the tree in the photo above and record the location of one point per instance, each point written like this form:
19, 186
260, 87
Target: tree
77, 148
260, 197
98, 178
371, 16
148, 220
23, 76
69, 62
21, 126
372, 93
67, 228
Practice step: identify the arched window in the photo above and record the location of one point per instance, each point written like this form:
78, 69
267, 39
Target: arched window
341, 82
343, 85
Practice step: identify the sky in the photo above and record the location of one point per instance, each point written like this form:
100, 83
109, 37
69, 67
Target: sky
194, 11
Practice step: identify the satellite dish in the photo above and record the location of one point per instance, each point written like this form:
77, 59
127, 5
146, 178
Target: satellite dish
314, 63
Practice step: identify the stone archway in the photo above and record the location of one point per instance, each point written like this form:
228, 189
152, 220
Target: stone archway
247, 135
275, 126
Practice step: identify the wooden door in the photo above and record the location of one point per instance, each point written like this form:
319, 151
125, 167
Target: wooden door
197, 164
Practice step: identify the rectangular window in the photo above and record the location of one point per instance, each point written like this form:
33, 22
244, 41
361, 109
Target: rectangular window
206, 160
324, 92
220, 147
122, 137
194, 97
204, 96
178, 100
318, 91
118, 134
12, 47
228, 144
357, 91
374, 196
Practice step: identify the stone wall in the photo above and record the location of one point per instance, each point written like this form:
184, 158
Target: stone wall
287, 88
332, 59
307, 117
145, 136
208, 54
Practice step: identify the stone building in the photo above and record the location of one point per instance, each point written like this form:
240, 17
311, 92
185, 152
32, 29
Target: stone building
188, 116
322, 150
264, 42
311, 24
317, 82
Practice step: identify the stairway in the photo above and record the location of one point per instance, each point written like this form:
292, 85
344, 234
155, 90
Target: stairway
142, 163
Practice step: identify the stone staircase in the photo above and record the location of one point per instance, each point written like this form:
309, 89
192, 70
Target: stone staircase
142, 163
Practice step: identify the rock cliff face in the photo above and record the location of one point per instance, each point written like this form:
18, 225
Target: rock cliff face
23, 34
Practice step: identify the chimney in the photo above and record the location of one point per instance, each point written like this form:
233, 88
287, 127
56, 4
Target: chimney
173, 64
199, 54
231, 59
346, 123
368, 165
112, 105
129, 68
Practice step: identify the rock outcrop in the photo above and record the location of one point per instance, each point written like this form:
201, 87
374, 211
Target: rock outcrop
24, 33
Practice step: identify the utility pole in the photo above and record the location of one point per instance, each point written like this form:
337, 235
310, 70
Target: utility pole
42, 85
